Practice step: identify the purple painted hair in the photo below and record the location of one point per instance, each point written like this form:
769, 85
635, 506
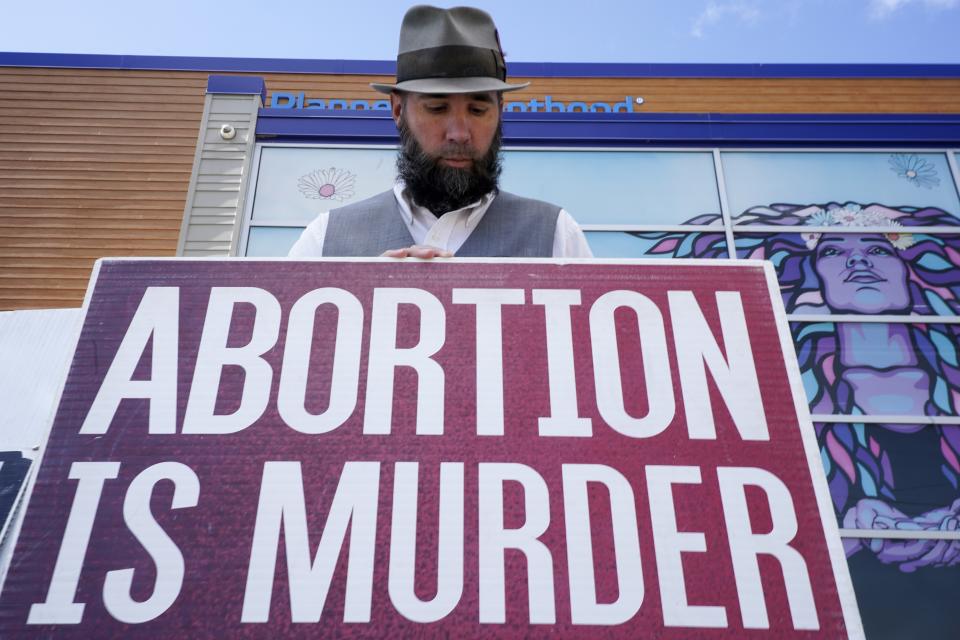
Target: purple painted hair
855, 465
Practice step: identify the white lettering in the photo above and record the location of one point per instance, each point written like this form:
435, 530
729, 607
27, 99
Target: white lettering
282, 502
745, 546
735, 376
494, 540
163, 551
584, 608
403, 543
345, 373
214, 355
489, 352
59, 607
156, 316
669, 544
385, 356
564, 418
657, 383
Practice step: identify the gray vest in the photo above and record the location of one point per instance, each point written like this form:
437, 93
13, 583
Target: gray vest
511, 227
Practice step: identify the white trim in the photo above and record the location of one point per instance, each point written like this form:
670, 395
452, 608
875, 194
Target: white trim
835, 150
900, 534
240, 224
891, 319
249, 200
653, 228
746, 227
886, 419
818, 479
323, 145
280, 223
639, 147
721, 181
954, 169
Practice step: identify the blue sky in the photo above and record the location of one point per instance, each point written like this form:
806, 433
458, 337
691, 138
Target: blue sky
686, 31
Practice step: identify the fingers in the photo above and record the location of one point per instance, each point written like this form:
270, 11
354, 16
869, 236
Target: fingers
422, 251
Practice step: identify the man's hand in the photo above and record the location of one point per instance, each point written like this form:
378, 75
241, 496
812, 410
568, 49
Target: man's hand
422, 251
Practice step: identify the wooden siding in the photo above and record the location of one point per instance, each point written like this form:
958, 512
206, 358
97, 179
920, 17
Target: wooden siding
97, 162
93, 163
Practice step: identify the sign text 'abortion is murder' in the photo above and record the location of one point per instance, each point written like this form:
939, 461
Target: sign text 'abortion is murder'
396, 448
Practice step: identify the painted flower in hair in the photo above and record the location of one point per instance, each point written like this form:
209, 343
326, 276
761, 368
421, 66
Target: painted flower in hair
915, 169
327, 184
820, 218
898, 239
848, 216
810, 238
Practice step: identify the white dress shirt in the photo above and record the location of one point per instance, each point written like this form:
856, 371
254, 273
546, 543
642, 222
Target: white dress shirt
449, 231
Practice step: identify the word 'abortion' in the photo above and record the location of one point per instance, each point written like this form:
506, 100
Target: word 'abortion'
154, 330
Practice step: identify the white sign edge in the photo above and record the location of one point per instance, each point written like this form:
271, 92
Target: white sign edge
841, 571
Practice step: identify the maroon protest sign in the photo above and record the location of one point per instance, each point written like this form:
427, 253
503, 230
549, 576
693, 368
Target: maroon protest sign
382, 448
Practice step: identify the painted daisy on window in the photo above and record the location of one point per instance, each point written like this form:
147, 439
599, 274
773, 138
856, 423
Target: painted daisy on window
327, 184
915, 169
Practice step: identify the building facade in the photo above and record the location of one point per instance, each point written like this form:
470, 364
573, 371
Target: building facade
845, 177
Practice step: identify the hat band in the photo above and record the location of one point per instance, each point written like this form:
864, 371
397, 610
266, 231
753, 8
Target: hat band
452, 61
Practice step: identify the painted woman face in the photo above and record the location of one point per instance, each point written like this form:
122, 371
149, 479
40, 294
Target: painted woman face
861, 273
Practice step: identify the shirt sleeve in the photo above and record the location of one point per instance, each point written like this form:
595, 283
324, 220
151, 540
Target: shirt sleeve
310, 242
568, 239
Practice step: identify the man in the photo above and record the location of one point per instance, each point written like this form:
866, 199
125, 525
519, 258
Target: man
447, 104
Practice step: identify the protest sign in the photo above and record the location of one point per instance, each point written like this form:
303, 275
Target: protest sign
393, 448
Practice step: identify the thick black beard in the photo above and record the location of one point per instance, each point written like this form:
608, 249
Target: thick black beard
440, 188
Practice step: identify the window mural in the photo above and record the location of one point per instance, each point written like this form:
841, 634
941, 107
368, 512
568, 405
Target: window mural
894, 180
823, 272
894, 603
898, 478
868, 273
875, 368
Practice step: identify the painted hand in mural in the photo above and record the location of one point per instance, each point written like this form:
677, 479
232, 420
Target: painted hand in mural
908, 554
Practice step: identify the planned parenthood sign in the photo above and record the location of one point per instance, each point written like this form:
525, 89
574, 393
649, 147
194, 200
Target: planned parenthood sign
385, 448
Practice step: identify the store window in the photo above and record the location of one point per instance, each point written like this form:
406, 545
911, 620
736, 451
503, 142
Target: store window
294, 183
840, 188
616, 195
657, 244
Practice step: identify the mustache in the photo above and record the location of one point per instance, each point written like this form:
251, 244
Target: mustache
455, 150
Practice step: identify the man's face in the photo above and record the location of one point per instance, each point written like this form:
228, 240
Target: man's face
457, 129
449, 154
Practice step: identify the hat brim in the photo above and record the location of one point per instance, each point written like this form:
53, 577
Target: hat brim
449, 85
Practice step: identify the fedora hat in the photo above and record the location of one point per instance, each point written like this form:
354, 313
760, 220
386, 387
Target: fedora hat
449, 51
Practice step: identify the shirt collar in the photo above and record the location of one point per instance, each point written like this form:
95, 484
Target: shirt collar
473, 211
